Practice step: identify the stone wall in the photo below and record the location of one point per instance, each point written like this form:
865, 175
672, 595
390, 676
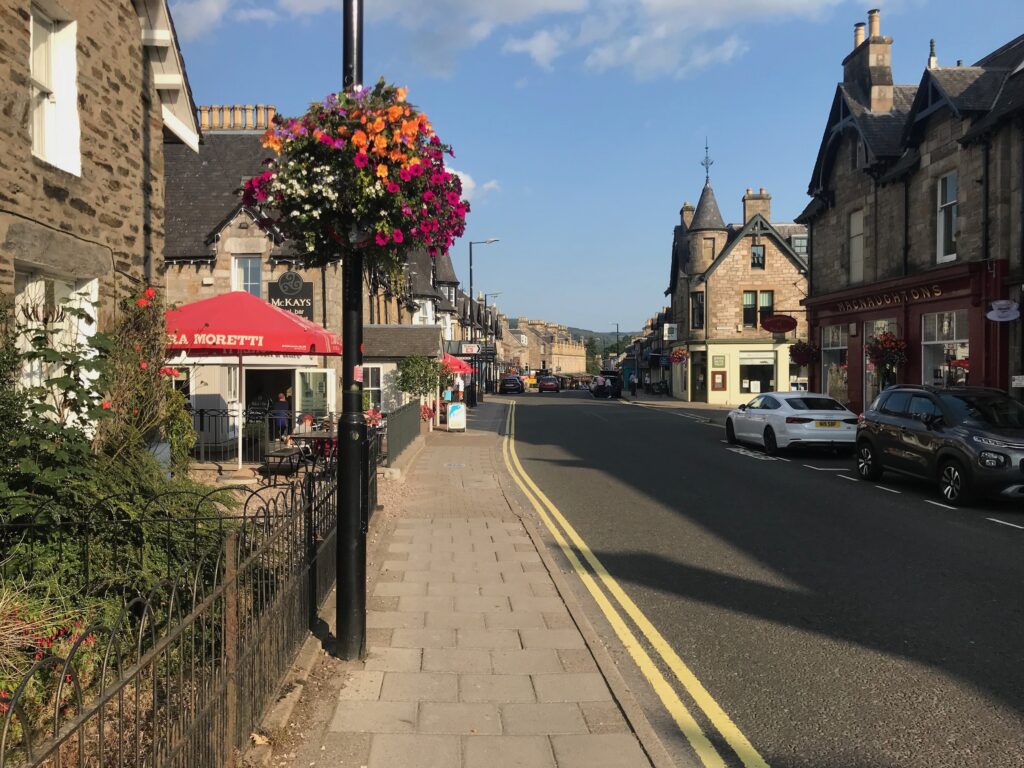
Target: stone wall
109, 221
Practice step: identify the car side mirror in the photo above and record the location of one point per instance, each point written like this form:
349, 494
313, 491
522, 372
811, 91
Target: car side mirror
743, 407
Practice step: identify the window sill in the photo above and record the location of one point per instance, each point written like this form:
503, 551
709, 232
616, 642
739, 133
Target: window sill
50, 165
945, 259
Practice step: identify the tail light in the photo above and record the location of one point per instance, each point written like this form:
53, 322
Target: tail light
798, 420
858, 420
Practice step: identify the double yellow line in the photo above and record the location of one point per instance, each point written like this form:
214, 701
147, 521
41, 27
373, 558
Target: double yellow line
556, 523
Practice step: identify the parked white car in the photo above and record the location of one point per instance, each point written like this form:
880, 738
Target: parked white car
782, 419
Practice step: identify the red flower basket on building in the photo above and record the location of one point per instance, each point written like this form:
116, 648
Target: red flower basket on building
678, 356
887, 353
804, 353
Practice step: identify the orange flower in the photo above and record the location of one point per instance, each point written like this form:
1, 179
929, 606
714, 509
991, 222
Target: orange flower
382, 171
380, 145
400, 94
376, 126
360, 139
395, 112
270, 141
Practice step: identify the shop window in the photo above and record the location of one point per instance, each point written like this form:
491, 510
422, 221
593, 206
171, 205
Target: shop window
946, 218
247, 275
372, 394
757, 371
834, 343
873, 383
855, 246
750, 309
53, 76
697, 310
757, 257
945, 358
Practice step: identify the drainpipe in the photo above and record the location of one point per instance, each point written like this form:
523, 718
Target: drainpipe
985, 150
906, 226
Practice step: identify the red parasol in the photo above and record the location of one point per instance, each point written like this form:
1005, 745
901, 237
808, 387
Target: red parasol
456, 365
239, 323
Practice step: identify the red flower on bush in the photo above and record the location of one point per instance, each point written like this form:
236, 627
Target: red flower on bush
150, 293
143, 365
143, 303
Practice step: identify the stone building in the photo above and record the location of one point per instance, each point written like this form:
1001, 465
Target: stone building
92, 90
551, 347
916, 219
725, 281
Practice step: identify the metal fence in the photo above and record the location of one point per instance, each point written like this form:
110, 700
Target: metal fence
403, 427
217, 432
184, 671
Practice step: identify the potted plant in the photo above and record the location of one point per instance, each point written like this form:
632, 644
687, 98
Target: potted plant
804, 352
887, 353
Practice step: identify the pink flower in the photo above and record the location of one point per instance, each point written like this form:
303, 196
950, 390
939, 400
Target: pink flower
406, 211
361, 160
436, 179
142, 303
405, 174
397, 236
143, 365
381, 239
416, 170
428, 196
392, 187
105, 405
323, 138
453, 198
339, 143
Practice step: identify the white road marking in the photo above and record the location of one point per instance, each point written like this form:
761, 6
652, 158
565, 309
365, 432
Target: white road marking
937, 504
781, 458
752, 454
845, 477
890, 490
1003, 522
825, 469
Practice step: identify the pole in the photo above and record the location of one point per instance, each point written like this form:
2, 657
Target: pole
351, 553
472, 320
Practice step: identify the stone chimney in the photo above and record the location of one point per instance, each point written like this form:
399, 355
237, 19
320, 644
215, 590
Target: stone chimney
858, 34
236, 117
869, 66
933, 60
686, 214
757, 202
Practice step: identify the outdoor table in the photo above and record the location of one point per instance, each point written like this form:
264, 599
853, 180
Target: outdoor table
281, 461
319, 439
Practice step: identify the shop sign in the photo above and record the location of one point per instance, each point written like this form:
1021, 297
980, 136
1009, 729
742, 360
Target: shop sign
456, 417
670, 332
891, 298
718, 361
779, 323
293, 294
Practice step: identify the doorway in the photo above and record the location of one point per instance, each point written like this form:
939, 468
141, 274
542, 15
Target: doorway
699, 373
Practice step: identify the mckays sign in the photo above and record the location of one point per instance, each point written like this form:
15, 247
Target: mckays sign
293, 294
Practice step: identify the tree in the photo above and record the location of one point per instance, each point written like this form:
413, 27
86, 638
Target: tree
593, 364
420, 376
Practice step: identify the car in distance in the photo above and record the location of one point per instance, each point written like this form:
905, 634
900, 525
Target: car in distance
777, 420
511, 384
548, 384
969, 440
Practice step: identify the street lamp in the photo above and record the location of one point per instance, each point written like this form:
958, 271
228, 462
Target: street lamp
488, 365
472, 322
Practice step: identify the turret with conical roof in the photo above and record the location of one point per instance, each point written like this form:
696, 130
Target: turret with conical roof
707, 216
707, 232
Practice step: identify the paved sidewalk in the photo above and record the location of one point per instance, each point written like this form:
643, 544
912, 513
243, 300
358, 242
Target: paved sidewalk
473, 659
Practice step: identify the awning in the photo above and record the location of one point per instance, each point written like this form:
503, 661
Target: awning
456, 365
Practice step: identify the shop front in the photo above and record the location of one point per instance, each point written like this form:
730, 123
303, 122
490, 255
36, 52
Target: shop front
940, 315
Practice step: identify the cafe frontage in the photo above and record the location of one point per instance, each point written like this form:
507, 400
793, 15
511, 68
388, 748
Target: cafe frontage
945, 316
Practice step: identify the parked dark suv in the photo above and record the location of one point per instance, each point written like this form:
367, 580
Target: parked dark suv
969, 439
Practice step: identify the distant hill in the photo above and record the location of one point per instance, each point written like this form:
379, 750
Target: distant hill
604, 338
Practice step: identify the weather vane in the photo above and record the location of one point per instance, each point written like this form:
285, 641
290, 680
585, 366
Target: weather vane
707, 162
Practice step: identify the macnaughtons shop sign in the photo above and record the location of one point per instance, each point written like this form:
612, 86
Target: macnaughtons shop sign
890, 298
292, 293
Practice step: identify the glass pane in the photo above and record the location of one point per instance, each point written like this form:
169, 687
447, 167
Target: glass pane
948, 216
946, 364
767, 298
856, 223
872, 383
947, 187
834, 372
834, 337
928, 327
312, 393
41, 32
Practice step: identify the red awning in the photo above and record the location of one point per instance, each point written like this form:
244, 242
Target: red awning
456, 365
238, 323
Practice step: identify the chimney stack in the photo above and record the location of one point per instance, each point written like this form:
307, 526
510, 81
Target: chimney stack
858, 34
933, 60
236, 117
686, 215
874, 23
757, 203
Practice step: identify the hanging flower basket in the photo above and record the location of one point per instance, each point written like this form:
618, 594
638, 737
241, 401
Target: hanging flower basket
804, 353
359, 169
678, 356
887, 353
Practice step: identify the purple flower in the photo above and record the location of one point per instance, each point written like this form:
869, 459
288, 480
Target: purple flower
339, 143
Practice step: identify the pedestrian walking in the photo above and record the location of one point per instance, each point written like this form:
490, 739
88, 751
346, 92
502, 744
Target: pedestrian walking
460, 387
632, 384
281, 415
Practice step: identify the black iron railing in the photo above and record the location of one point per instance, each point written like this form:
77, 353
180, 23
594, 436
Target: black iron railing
185, 670
402, 428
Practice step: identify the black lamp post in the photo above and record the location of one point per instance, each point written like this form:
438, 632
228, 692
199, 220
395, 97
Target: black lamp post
351, 551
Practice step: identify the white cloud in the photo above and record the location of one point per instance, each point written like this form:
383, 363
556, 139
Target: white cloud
473, 191
543, 46
268, 15
194, 18
521, 83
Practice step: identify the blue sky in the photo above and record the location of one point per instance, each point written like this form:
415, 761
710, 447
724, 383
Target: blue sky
582, 122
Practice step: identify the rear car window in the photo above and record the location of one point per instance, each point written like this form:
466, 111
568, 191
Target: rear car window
922, 406
896, 404
814, 404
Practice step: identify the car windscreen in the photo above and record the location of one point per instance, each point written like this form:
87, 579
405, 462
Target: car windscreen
814, 404
987, 410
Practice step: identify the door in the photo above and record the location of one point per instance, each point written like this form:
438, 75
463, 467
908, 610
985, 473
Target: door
893, 422
921, 441
699, 374
315, 391
745, 424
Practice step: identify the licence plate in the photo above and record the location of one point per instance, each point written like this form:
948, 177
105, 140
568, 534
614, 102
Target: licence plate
826, 423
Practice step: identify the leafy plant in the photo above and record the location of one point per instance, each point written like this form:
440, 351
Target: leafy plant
420, 376
804, 353
886, 351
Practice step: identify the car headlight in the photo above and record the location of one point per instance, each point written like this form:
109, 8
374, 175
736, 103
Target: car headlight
992, 460
989, 441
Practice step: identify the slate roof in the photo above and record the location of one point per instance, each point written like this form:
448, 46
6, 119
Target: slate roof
397, 341
1008, 56
882, 131
444, 270
419, 271
970, 89
707, 216
1010, 102
202, 189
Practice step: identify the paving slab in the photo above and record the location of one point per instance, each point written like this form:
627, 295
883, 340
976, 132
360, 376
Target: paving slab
508, 752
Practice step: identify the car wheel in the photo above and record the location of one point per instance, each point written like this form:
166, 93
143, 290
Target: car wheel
730, 433
954, 485
771, 445
867, 466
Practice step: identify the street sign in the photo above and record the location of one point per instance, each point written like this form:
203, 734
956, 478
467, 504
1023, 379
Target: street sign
779, 323
468, 348
670, 332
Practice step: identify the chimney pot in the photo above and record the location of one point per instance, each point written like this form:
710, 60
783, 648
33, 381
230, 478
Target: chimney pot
249, 121
764, 191
874, 23
761, 203
858, 34
750, 191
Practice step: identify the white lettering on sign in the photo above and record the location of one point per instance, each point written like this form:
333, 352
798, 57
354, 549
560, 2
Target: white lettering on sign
217, 340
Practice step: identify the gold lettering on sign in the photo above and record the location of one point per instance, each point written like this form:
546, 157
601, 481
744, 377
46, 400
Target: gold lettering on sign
890, 298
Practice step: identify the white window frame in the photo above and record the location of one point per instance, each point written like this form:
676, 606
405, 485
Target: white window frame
55, 128
855, 246
379, 389
237, 284
941, 207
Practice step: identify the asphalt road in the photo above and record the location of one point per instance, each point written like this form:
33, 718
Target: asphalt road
839, 623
